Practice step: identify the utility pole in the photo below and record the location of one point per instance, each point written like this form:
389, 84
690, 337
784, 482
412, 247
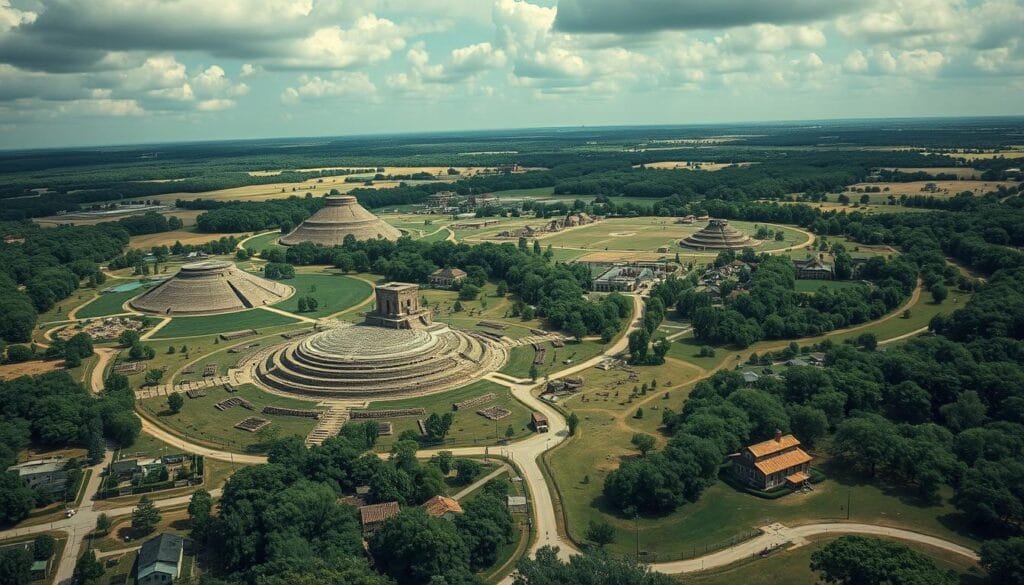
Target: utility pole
847, 504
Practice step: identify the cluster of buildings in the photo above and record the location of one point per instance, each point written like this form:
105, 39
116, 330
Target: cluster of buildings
555, 225
629, 276
47, 476
373, 516
124, 474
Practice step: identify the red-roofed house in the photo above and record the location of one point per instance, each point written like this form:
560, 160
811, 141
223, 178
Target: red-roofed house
375, 515
772, 463
442, 507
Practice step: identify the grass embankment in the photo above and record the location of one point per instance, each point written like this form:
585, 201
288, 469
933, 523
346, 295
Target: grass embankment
108, 304
793, 567
199, 421
469, 427
216, 324
333, 292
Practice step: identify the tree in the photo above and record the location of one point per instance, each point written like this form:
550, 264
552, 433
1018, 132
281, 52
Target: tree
546, 569
510, 432
303, 306
534, 372
175, 402
573, 421
467, 470
600, 533
154, 376
939, 292
88, 569
103, 524
43, 547
438, 425
457, 307
15, 566
412, 548
861, 560
1003, 560
145, 516
16, 499
444, 461
469, 292
200, 514
643, 443
502, 289
485, 525
808, 423
128, 337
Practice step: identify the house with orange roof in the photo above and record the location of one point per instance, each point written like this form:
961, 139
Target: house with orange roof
773, 463
442, 507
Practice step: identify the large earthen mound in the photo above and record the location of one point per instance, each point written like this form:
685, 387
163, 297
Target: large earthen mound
210, 287
718, 235
340, 217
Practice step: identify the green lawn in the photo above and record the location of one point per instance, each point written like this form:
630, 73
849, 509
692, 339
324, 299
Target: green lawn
260, 243
107, 304
687, 349
469, 427
520, 360
333, 291
793, 567
723, 513
198, 420
60, 310
213, 324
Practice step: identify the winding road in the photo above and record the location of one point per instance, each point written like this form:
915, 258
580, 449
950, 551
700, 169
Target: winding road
524, 454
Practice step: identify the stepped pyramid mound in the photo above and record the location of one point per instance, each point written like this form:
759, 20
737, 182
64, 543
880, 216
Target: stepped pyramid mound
718, 235
340, 217
397, 352
210, 286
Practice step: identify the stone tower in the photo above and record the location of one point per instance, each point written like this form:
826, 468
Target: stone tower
398, 307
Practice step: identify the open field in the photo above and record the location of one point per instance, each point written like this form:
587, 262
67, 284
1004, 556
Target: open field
793, 567
105, 304
214, 324
960, 172
469, 427
186, 237
1017, 152
318, 187
264, 241
945, 188
59, 311
334, 293
640, 234
29, 368
199, 421
691, 165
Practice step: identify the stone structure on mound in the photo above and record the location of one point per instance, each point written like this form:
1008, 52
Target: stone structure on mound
210, 286
718, 235
397, 352
341, 216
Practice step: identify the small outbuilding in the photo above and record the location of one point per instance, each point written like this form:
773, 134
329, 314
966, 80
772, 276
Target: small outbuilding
447, 277
442, 507
539, 422
160, 560
374, 516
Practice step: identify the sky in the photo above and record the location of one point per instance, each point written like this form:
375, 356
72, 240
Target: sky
93, 72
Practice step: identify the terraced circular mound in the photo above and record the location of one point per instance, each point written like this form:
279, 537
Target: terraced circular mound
210, 286
341, 216
718, 235
368, 362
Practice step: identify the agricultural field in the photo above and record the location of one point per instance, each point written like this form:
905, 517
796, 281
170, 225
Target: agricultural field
691, 165
960, 172
943, 188
199, 421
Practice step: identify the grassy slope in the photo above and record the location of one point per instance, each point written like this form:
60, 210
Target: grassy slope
333, 291
214, 324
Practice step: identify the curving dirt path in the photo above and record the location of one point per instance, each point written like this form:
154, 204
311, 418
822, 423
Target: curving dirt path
97, 377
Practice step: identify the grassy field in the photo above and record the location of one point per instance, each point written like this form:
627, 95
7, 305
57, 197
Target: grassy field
214, 324
199, 421
260, 243
946, 189
108, 304
793, 567
60, 310
333, 291
520, 359
469, 427
642, 234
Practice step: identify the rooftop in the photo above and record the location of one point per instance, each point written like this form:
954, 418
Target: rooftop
438, 506
773, 445
39, 466
782, 461
165, 548
375, 513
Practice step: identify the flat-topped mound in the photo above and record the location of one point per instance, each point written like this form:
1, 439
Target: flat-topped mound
370, 362
341, 216
210, 286
718, 235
